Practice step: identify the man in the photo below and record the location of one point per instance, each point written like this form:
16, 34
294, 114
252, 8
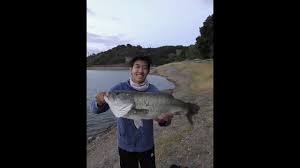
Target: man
136, 146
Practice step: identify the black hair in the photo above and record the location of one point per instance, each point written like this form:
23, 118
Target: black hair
142, 58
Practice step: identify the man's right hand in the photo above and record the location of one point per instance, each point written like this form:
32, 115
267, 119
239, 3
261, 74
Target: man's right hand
100, 98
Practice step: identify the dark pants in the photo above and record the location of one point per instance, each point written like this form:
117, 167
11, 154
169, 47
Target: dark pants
131, 159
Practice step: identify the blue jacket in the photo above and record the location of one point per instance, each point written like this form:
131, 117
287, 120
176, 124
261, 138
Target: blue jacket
129, 137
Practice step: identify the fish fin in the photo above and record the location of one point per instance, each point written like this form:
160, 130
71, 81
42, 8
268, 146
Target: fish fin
192, 110
138, 123
118, 110
139, 111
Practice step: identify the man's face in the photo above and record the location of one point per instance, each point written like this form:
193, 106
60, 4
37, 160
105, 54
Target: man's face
139, 71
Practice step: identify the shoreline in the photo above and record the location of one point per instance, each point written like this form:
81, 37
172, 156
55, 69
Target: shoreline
90, 139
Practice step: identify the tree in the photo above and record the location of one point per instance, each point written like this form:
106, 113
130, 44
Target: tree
204, 42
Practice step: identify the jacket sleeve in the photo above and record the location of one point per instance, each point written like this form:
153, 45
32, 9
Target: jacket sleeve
94, 108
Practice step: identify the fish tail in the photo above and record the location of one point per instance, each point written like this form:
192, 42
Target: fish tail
192, 110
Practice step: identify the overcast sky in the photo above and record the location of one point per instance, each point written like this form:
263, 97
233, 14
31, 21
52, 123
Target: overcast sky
149, 23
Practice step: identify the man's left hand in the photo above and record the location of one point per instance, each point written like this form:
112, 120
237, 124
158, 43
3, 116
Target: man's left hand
163, 117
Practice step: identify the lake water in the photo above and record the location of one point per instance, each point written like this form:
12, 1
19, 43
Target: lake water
103, 80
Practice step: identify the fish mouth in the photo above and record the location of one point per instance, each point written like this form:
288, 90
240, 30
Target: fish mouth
106, 99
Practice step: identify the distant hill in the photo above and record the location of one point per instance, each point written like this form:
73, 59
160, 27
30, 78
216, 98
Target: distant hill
123, 53
120, 55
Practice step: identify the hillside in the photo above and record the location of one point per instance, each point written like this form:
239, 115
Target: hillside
122, 54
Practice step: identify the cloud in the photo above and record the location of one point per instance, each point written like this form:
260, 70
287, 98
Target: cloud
105, 40
208, 1
115, 18
97, 43
89, 11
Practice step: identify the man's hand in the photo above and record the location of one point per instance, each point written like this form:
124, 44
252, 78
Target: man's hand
163, 117
100, 98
